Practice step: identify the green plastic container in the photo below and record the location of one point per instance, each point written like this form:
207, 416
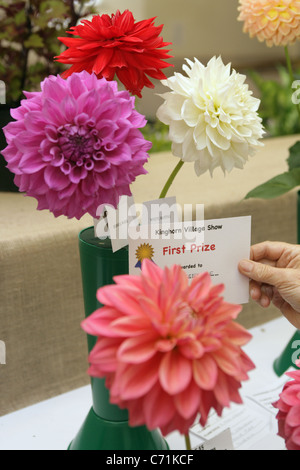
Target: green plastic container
287, 357
106, 426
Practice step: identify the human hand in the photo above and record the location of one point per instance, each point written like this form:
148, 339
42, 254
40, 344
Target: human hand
274, 273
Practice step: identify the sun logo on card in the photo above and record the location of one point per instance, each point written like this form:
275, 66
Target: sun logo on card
144, 251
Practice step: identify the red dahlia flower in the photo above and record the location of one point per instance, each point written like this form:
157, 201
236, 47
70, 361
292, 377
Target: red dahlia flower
169, 350
117, 45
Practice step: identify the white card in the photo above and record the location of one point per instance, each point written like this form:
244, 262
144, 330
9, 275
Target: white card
114, 223
222, 441
160, 211
214, 246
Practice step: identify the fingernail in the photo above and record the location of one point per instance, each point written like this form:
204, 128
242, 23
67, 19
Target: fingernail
246, 266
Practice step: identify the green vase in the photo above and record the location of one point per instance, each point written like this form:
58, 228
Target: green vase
106, 426
289, 356
292, 350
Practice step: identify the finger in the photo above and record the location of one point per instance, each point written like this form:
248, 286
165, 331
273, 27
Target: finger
266, 295
255, 290
265, 302
267, 291
261, 272
268, 250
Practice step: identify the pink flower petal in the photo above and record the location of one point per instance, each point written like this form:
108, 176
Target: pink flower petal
158, 408
293, 416
130, 326
222, 391
117, 297
138, 349
175, 372
205, 372
290, 395
135, 382
187, 402
98, 324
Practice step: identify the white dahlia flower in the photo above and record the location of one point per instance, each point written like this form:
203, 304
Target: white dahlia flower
212, 116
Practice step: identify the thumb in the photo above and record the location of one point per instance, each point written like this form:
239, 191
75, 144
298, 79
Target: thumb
260, 272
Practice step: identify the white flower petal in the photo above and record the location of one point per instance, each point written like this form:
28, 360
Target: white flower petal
178, 131
190, 113
200, 135
170, 110
188, 148
217, 139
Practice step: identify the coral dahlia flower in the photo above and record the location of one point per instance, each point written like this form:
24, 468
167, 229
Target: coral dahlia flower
76, 144
117, 45
288, 415
273, 21
212, 116
169, 350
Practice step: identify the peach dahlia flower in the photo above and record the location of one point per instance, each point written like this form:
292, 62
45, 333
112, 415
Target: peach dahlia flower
277, 22
169, 350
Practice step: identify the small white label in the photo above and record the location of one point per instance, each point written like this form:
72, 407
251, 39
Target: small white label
222, 441
2, 353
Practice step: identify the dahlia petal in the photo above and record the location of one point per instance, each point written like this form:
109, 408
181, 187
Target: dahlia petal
205, 372
137, 349
290, 395
190, 113
134, 382
33, 122
77, 86
151, 271
158, 408
104, 353
187, 402
222, 391
151, 310
238, 334
192, 349
118, 298
55, 179
207, 402
102, 60
130, 326
296, 438
175, 372
177, 132
99, 323
293, 416
30, 163
227, 359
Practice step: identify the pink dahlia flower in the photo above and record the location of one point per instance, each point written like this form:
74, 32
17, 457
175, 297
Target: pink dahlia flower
76, 144
169, 350
275, 22
288, 415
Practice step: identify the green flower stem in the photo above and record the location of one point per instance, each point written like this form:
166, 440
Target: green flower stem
290, 70
171, 179
188, 442
289, 63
